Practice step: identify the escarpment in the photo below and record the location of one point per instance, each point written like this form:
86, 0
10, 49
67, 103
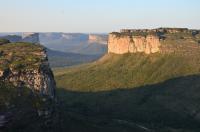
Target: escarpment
161, 40
26, 65
133, 44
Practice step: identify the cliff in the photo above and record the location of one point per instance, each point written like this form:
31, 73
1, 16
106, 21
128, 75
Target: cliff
133, 44
161, 40
26, 65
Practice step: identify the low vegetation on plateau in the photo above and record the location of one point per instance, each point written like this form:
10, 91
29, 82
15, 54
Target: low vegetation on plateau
20, 55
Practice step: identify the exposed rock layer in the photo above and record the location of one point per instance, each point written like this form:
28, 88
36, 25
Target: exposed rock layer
133, 44
162, 40
27, 65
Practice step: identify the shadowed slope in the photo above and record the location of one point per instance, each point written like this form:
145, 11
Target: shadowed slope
170, 106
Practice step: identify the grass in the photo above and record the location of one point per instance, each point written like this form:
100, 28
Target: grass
126, 71
4, 41
20, 56
130, 92
157, 91
22, 105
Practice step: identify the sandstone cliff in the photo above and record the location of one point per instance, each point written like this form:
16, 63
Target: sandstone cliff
132, 44
25, 64
162, 40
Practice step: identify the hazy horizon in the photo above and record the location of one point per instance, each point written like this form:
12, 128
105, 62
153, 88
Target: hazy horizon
100, 16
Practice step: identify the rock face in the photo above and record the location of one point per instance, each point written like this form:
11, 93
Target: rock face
133, 44
148, 41
25, 64
30, 37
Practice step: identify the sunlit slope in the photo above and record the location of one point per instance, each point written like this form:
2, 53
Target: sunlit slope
127, 71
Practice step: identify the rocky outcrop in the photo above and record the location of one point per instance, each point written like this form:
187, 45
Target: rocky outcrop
26, 65
133, 44
162, 40
30, 37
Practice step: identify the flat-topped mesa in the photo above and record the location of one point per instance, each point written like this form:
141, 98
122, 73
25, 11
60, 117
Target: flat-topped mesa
133, 44
160, 40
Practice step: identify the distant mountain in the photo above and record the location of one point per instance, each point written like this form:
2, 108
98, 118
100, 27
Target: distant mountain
75, 42
98, 38
21, 37
65, 49
12, 38
30, 37
79, 43
63, 59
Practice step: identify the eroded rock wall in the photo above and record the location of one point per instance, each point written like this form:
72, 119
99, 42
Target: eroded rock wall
26, 65
133, 44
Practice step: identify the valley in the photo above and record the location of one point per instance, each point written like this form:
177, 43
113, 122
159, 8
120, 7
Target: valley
147, 82
100, 66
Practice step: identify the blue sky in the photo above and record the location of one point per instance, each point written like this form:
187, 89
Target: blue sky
96, 15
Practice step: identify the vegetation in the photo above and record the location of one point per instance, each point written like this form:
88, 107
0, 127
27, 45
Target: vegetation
126, 71
20, 107
62, 59
133, 92
4, 41
170, 106
20, 55
130, 92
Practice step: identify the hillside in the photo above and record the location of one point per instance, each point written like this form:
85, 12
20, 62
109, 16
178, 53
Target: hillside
64, 59
177, 55
121, 92
155, 92
126, 71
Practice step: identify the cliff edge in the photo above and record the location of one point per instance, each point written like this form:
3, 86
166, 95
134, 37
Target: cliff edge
148, 41
26, 65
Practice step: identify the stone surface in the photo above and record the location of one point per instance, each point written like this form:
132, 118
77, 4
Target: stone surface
160, 40
25, 64
133, 44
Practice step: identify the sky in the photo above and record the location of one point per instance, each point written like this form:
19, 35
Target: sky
99, 16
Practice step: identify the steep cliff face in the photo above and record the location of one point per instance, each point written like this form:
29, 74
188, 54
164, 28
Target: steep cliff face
25, 64
162, 40
133, 44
